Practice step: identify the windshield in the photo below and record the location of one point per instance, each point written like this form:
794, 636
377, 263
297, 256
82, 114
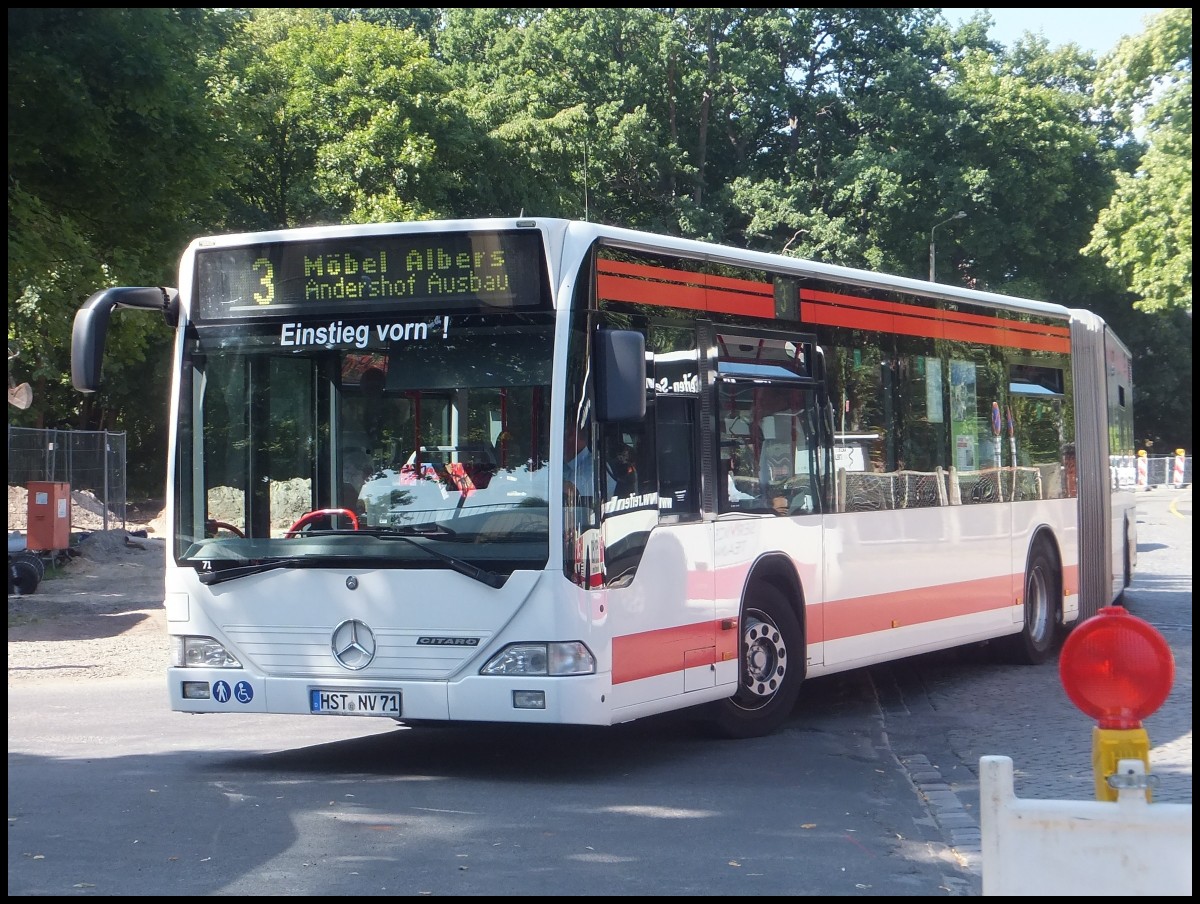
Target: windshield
326, 442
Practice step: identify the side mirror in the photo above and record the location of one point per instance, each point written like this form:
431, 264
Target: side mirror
91, 326
620, 376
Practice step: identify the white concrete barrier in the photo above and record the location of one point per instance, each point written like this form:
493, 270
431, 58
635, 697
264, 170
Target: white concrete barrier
1067, 847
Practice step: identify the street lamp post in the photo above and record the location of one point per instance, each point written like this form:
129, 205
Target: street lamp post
933, 247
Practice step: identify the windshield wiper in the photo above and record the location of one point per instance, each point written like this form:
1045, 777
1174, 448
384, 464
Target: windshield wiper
430, 529
241, 571
466, 568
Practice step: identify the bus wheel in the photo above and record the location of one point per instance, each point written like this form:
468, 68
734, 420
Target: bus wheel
1043, 602
771, 667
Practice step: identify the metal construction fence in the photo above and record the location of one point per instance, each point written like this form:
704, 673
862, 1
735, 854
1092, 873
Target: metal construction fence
1143, 471
91, 462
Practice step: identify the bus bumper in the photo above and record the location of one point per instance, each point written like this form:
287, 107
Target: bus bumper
577, 699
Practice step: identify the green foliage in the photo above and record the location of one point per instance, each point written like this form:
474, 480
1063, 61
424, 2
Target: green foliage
842, 135
110, 171
338, 119
563, 93
1028, 165
1145, 232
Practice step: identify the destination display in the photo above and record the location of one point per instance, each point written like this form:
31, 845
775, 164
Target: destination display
456, 272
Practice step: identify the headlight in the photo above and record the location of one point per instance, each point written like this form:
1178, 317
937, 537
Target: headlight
562, 658
200, 652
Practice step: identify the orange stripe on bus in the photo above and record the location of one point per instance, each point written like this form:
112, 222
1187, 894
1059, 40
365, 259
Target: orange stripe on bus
687, 277
896, 307
639, 291
670, 650
854, 312
662, 287
730, 302
669, 287
904, 608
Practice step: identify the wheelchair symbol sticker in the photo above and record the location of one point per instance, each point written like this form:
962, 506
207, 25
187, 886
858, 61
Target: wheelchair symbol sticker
243, 692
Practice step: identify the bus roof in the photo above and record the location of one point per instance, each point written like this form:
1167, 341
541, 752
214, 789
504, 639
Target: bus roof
583, 234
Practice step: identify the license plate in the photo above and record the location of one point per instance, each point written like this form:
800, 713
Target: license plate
354, 703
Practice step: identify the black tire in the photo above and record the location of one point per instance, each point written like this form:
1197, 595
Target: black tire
32, 558
23, 575
770, 671
1041, 631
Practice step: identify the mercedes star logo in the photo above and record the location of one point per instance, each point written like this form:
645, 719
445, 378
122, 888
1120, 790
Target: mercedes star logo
353, 644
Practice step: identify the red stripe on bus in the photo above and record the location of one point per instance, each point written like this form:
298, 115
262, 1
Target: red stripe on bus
854, 312
904, 608
896, 307
688, 277
639, 291
1070, 577
730, 302
663, 287
668, 287
670, 650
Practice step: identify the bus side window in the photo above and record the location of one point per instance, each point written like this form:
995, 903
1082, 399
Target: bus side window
739, 487
677, 461
621, 465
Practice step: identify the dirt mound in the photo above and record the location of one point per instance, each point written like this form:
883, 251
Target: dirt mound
103, 545
289, 500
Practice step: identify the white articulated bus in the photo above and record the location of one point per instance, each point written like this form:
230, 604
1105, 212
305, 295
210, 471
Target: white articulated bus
547, 471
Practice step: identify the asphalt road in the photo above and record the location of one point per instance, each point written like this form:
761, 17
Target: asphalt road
870, 790
111, 794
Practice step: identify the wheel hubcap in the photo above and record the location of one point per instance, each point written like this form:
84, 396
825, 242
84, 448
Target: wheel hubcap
765, 659
1039, 607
